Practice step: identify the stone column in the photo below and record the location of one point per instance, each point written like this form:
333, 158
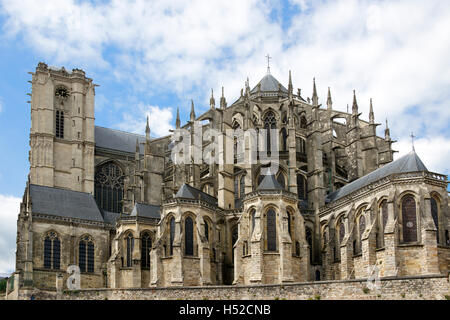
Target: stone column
368, 243
347, 251
257, 248
285, 246
177, 258
428, 235
390, 240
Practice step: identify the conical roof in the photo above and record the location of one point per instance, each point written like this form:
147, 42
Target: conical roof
269, 84
408, 163
269, 183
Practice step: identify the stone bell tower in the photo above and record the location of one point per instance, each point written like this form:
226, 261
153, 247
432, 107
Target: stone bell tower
62, 129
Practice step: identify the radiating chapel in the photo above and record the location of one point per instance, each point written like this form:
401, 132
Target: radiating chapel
114, 203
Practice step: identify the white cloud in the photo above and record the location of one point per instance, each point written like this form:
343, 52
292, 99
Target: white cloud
395, 52
160, 120
9, 210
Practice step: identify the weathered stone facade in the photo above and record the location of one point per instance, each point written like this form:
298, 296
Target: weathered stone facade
115, 204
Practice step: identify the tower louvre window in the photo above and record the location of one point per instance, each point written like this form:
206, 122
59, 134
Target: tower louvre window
59, 124
269, 123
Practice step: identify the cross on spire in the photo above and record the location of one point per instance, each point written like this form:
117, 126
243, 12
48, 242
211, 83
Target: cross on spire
412, 140
268, 63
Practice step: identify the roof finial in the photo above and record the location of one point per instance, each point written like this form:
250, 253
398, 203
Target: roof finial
355, 104
290, 86
329, 101
387, 133
212, 101
412, 140
223, 101
177, 121
371, 114
315, 98
147, 130
268, 63
192, 111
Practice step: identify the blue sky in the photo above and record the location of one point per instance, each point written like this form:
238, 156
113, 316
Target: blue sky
151, 56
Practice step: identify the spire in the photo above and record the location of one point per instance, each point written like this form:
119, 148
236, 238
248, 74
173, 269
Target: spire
223, 101
177, 121
371, 115
387, 133
137, 146
268, 63
212, 101
147, 131
329, 101
192, 111
355, 104
290, 86
315, 98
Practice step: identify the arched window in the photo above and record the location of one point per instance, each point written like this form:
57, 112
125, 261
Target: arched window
130, 246
409, 220
234, 238
435, 215
303, 122
271, 230
384, 212
341, 231
86, 254
172, 234
206, 230
309, 240
301, 187
252, 217
59, 124
297, 248
242, 186
289, 224
146, 246
317, 275
284, 145
269, 123
362, 227
52, 251
188, 237
281, 180
109, 187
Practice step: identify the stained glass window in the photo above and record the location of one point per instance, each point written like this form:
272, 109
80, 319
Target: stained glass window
109, 187
172, 234
52, 251
189, 236
409, 221
269, 123
271, 231
146, 246
130, 247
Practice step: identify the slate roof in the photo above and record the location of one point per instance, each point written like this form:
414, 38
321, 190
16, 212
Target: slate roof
268, 83
408, 163
146, 210
118, 140
188, 192
269, 182
110, 217
64, 203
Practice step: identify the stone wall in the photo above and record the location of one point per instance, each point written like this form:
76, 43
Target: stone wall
415, 288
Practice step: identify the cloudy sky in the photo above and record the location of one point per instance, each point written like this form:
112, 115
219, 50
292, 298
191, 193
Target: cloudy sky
151, 56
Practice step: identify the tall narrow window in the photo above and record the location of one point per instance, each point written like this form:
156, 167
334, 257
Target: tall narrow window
289, 224
109, 187
146, 246
189, 236
409, 220
234, 238
52, 251
435, 215
384, 212
309, 240
206, 230
303, 122
341, 231
269, 123
242, 187
284, 145
86, 254
236, 187
130, 247
59, 124
301, 187
252, 218
172, 234
271, 230
362, 227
